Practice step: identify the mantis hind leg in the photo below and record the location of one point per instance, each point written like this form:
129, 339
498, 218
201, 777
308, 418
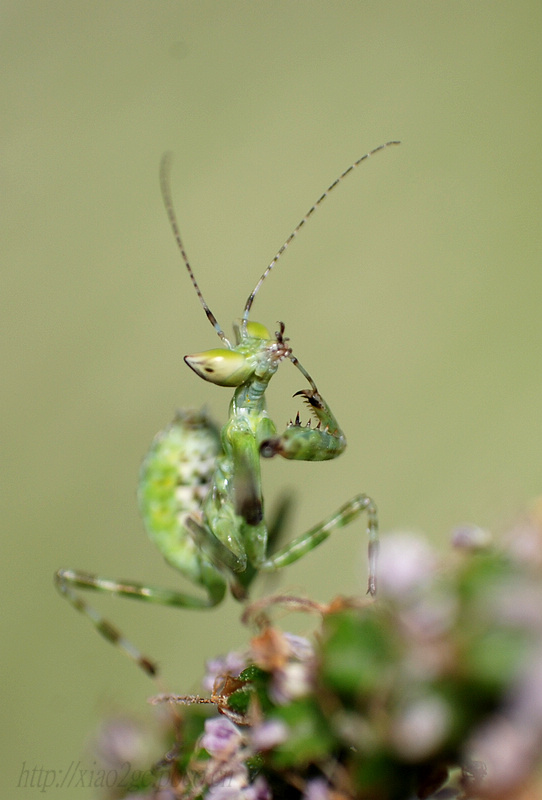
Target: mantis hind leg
313, 537
68, 581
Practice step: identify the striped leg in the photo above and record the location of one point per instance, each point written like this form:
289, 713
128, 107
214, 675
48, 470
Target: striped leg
312, 538
68, 580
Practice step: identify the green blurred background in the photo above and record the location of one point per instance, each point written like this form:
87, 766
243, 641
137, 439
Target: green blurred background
413, 297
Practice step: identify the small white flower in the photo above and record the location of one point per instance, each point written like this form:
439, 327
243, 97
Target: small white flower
292, 681
221, 737
406, 564
268, 734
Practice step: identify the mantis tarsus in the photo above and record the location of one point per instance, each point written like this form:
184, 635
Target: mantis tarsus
200, 491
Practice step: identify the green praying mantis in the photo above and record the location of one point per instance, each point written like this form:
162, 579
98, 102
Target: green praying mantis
200, 489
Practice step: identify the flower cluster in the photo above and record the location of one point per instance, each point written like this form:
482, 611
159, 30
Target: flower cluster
433, 691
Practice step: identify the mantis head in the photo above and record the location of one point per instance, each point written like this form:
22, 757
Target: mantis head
254, 353
255, 349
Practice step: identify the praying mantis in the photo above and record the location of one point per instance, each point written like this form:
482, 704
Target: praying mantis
200, 490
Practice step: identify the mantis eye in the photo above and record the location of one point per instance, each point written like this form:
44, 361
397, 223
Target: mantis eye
223, 367
257, 331
254, 330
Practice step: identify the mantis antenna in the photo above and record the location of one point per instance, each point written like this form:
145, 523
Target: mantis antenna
307, 216
165, 186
